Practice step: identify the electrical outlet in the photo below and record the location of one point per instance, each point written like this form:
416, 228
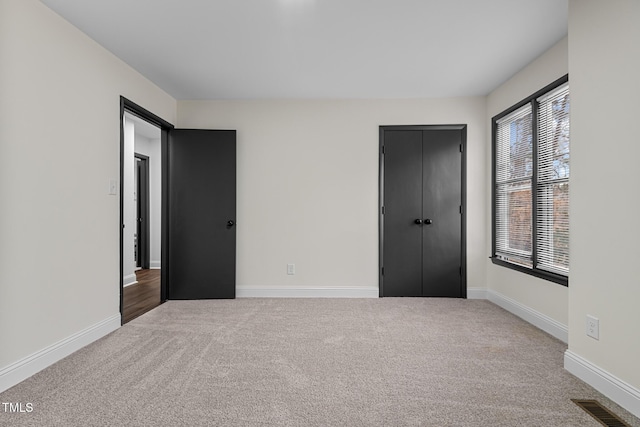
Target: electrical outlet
291, 269
593, 327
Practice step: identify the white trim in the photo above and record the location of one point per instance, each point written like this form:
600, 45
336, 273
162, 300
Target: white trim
310, 292
611, 386
477, 293
542, 321
154, 265
30, 365
130, 279
129, 284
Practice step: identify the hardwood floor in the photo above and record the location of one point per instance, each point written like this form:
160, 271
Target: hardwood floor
143, 296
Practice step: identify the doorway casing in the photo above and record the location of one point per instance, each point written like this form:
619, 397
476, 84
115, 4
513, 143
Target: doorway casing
165, 128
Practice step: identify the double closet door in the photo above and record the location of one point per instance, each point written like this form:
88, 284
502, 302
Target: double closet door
422, 248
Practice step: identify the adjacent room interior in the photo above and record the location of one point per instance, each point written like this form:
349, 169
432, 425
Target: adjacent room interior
142, 217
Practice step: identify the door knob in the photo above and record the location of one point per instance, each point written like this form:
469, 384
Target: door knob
418, 221
428, 221
230, 223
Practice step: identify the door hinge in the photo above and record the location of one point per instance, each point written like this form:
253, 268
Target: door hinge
383, 149
460, 208
383, 210
461, 271
461, 148
382, 271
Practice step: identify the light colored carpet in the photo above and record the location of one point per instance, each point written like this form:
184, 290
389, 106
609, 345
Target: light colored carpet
313, 362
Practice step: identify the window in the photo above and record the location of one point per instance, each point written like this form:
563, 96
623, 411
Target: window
531, 184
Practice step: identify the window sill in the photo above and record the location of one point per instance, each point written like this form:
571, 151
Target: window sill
541, 274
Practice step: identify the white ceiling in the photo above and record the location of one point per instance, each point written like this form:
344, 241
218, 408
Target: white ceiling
239, 49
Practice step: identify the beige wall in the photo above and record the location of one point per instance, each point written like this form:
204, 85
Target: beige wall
547, 298
604, 64
59, 147
308, 184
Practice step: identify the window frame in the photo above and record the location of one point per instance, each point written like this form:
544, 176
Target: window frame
533, 271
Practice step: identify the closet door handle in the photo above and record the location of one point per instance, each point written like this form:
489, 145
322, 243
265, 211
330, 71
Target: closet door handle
418, 221
428, 221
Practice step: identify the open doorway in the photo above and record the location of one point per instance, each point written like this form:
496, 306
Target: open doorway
202, 229
141, 216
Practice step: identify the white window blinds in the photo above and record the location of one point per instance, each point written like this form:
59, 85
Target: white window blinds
514, 176
552, 219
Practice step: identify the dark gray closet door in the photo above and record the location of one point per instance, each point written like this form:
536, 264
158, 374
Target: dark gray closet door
421, 220
202, 214
402, 211
441, 205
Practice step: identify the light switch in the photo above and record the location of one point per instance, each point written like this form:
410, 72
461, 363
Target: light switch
113, 187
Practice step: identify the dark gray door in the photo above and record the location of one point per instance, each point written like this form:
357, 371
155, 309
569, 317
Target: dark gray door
142, 211
422, 212
202, 214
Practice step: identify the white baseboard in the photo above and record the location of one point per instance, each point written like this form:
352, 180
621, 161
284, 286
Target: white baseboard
315, 292
614, 388
30, 365
532, 316
129, 280
155, 265
129, 284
